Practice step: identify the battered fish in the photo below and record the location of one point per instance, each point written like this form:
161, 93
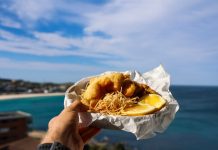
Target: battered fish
101, 85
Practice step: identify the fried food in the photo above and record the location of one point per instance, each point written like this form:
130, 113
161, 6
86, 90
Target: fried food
113, 103
98, 86
148, 89
128, 88
117, 79
117, 94
93, 91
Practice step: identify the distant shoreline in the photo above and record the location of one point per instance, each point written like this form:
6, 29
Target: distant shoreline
15, 96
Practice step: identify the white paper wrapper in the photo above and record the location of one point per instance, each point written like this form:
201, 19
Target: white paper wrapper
142, 127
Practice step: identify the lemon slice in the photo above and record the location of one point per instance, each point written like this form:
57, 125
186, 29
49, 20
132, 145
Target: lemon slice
138, 110
152, 99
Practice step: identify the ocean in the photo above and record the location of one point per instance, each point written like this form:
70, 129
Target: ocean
195, 126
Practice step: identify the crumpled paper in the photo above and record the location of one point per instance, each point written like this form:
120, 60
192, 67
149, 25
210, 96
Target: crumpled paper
143, 127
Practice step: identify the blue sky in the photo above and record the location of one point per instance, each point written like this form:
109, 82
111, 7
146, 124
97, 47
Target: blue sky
66, 40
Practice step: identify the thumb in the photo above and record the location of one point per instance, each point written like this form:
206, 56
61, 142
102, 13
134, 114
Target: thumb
70, 114
76, 106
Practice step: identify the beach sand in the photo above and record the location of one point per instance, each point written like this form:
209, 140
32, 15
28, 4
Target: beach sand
15, 96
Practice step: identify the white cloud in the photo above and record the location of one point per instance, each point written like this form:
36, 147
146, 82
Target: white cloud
55, 44
32, 10
45, 71
54, 39
125, 17
5, 21
137, 28
156, 28
40, 65
143, 33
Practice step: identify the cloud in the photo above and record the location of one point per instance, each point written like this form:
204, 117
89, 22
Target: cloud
5, 21
54, 44
125, 17
33, 10
139, 34
40, 65
48, 10
45, 71
87, 44
156, 28
135, 28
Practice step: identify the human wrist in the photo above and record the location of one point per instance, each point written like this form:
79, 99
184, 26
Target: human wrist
53, 146
51, 137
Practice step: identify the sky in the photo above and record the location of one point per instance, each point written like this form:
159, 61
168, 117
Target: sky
66, 40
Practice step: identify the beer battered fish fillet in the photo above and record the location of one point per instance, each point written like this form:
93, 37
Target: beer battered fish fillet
117, 79
128, 88
98, 86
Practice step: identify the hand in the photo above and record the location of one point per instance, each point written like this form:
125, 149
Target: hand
64, 128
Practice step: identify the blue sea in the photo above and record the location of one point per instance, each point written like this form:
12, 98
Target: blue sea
195, 126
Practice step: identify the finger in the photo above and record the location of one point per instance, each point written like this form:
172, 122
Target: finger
88, 133
72, 108
76, 106
69, 116
52, 120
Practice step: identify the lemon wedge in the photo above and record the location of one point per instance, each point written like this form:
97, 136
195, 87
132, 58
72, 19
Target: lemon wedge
152, 99
138, 110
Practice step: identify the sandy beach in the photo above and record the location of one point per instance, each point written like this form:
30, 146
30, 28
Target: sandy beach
15, 96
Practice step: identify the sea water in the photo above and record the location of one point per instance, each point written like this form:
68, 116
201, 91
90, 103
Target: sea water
195, 126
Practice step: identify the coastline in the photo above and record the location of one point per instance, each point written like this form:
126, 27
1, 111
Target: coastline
15, 96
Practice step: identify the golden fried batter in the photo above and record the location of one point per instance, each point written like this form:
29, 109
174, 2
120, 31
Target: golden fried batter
140, 90
101, 85
148, 89
128, 88
93, 91
117, 79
